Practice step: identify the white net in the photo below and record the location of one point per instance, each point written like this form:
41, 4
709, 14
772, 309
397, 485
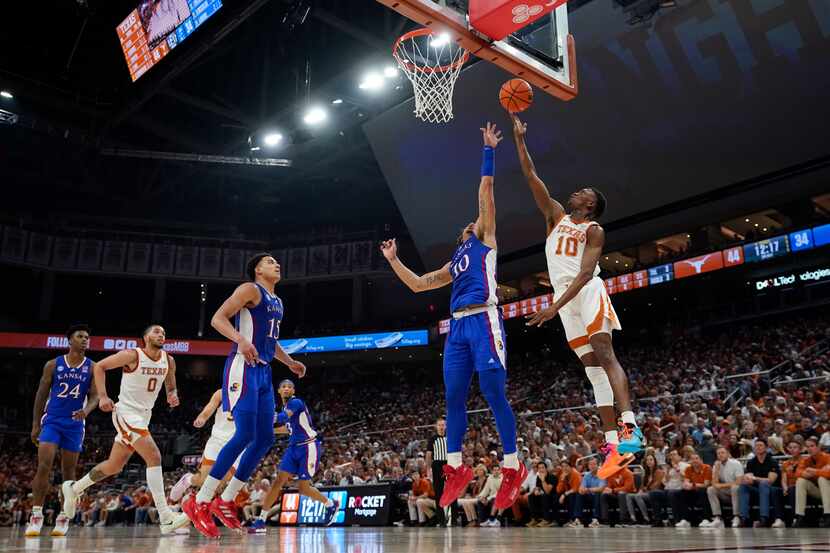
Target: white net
432, 63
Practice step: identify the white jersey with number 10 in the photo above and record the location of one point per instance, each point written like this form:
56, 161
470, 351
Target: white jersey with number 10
564, 249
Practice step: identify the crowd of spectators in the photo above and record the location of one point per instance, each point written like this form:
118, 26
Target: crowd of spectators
735, 423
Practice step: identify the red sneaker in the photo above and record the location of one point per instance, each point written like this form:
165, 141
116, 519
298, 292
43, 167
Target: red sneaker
199, 515
511, 483
225, 511
456, 482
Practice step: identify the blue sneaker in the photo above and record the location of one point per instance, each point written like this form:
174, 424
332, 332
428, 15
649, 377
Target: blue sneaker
331, 512
258, 527
631, 440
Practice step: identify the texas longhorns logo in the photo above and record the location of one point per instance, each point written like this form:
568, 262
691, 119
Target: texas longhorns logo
523, 12
698, 263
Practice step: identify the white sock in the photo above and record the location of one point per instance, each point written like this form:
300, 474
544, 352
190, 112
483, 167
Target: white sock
232, 489
454, 460
628, 418
37, 510
612, 437
208, 490
511, 461
82, 484
155, 481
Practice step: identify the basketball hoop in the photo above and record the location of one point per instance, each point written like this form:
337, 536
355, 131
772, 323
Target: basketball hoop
432, 63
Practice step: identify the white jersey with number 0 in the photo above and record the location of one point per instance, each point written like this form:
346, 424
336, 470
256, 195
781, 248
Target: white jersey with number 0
141, 386
564, 249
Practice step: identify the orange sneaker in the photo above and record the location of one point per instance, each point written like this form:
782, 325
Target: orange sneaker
614, 462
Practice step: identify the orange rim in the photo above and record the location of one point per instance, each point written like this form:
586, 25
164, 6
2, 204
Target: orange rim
411, 66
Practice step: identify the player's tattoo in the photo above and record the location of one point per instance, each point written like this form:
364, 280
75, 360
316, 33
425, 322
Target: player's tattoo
96, 475
431, 279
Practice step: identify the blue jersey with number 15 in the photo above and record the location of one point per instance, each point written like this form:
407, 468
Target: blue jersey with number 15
70, 386
261, 324
473, 270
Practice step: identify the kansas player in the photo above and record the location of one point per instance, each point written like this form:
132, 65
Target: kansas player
300, 460
476, 339
247, 390
144, 371
573, 246
65, 396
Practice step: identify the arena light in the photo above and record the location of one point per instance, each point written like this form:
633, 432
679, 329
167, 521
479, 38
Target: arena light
371, 81
337, 101
390, 71
314, 116
437, 41
6, 94
271, 139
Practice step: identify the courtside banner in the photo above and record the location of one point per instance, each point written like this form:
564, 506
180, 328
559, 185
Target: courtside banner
368, 505
393, 339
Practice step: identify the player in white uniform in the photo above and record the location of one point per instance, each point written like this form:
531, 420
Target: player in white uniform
573, 247
222, 431
144, 371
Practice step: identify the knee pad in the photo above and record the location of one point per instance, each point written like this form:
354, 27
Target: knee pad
603, 393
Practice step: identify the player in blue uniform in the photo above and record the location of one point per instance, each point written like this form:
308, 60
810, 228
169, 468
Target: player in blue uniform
247, 390
300, 460
476, 339
58, 422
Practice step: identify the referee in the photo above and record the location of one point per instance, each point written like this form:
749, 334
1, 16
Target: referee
436, 458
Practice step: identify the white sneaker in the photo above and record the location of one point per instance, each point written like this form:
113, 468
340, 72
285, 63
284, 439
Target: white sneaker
182, 531
596, 524
717, 523
683, 524
573, 524
35, 526
61, 526
101, 524
180, 488
172, 522
706, 523
779, 523
736, 522
70, 499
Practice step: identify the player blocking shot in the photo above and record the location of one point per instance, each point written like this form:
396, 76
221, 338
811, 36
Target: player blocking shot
573, 247
144, 371
65, 397
300, 460
222, 431
475, 343
247, 392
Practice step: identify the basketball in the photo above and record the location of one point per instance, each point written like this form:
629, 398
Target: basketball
516, 95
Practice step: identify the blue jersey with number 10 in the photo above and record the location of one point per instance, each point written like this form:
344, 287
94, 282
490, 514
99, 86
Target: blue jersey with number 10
473, 270
70, 386
261, 324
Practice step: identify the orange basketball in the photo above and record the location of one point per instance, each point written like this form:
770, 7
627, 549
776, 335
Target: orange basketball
516, 95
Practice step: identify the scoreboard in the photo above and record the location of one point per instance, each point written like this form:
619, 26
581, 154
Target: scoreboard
154, 28
766, 249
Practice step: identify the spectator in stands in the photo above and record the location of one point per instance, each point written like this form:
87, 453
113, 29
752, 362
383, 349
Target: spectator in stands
421, 487
567, 487
706, 448
142, 506
590, 490
659, 449
251, 509
652, 480
468, 502
542, 498
696, 479
761, 474
788, 474
617, 488
486, 498
726, 477
813, 479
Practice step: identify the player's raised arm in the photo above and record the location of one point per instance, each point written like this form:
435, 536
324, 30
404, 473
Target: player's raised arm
209, 409
486, 199
124, 358
550, 208
593, 250
170, 383
429, 281
41, 396
246, 294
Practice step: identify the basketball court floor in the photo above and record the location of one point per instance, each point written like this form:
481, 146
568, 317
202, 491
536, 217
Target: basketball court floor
427, 540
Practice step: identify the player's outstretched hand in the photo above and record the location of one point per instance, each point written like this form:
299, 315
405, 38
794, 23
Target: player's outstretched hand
491, 135
541, 317
297, 368
106, 405
389, 248
519, 128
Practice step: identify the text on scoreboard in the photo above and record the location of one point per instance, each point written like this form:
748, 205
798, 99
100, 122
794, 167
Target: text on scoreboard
156, 27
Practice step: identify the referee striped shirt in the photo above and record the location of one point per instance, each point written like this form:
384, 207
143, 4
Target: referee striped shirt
438, 447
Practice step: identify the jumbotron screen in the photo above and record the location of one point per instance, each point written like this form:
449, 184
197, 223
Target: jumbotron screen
157, 26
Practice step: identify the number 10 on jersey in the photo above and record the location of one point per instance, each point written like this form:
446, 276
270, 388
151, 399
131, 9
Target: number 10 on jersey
571, 246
